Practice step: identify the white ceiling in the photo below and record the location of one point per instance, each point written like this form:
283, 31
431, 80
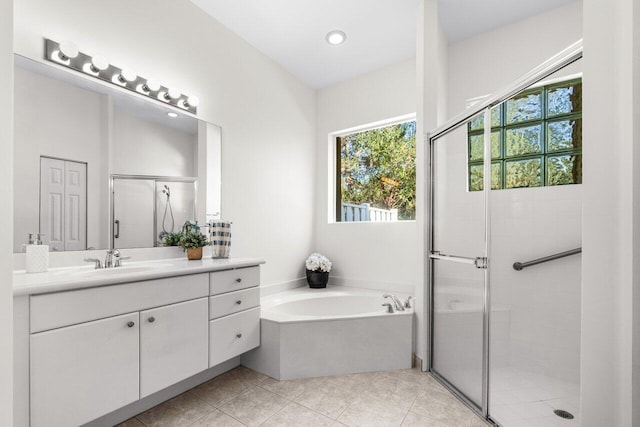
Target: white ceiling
379, 32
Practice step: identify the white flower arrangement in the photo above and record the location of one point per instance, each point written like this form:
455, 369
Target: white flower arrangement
318, 262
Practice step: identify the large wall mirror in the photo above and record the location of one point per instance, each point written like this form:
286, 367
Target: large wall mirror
97, 167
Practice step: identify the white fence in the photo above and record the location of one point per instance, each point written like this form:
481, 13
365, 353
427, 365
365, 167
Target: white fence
353, 213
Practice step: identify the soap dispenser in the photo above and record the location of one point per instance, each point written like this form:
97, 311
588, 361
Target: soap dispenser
37, 255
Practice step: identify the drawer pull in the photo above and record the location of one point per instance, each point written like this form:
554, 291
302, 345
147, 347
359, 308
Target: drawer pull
238, 335
130, 324
239, 302
152, 319
239, 280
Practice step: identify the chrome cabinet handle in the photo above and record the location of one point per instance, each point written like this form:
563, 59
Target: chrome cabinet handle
152, 319
238, 335
239, 302
239, 279
130, 324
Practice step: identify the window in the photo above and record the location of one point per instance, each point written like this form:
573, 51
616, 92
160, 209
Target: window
376, 174
536, 139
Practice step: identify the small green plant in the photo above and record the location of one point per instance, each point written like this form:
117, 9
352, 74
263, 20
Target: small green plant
172, 239
192, 240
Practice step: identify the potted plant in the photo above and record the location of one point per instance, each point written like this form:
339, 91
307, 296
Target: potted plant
192, 242
318, 268
172, 239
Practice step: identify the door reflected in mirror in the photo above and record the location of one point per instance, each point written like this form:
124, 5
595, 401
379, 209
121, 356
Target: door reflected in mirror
65, 120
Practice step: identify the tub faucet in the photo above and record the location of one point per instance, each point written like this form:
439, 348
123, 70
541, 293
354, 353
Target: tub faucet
396, 301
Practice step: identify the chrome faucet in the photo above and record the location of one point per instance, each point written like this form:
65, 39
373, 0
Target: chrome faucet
98, 263
114, 259
396, 301
108, 259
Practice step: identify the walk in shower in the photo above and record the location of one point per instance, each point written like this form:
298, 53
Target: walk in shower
504, 189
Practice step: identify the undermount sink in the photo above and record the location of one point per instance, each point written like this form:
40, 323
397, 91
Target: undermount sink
85, 271
125, 269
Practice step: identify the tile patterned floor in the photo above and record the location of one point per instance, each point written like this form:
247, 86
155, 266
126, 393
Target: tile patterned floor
242, 397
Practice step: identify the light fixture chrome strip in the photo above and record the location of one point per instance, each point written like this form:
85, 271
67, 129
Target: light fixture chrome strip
69, 56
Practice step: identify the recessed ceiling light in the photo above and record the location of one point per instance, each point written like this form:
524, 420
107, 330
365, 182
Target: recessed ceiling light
172, 115
336, 37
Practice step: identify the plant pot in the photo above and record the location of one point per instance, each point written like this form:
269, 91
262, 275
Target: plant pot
194, 254
317, 279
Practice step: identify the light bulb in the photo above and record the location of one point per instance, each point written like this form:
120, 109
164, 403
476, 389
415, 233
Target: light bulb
127, 75
172, 93
336, 37
68, 50
151, 86
192, 101
98, 63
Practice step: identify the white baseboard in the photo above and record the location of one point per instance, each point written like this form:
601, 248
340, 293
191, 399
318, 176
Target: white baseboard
274, 288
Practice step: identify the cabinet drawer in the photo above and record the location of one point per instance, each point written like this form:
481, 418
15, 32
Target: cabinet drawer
233, 302
233, 335
51, 311
234, 280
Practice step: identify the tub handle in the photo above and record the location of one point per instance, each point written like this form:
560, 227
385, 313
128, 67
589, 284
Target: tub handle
389, 307
407, 302
238, 335
239, 302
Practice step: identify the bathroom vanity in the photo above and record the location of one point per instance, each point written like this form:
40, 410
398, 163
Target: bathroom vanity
90, 342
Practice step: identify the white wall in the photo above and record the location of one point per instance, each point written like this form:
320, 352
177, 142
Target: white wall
611, 212
57, 119
6, 212
432, 88
267, 116
367, 254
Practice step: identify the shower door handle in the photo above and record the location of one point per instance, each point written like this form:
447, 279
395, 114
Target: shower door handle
478, 262
117, 232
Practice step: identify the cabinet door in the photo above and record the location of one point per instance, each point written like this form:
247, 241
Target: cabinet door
82, 372
233, 335
173, 344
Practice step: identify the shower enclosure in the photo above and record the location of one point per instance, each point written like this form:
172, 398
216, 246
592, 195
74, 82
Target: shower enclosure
506, 340
145, 209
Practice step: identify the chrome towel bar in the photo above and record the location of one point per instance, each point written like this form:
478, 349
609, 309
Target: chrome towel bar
521, 265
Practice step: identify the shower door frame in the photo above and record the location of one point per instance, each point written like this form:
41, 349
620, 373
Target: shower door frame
155, 179
564, 58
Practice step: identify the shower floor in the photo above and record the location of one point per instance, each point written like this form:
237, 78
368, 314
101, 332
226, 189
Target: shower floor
524, 399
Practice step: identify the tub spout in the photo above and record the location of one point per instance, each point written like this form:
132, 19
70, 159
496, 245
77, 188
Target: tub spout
396, 301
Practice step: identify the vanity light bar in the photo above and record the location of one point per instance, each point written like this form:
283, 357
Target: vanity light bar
66, 54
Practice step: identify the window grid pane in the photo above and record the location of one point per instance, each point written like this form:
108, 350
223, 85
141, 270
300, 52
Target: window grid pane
536, 139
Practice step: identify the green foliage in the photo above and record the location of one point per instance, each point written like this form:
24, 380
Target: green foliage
193, 239
378, 167
172, 239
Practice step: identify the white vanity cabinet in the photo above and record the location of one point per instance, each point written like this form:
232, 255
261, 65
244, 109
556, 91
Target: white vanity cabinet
234, 309
81, 372
103, 350
86, 370
173, 344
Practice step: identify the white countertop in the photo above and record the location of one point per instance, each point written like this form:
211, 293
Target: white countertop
68, 278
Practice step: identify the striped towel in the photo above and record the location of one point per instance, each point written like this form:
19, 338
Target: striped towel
220, 236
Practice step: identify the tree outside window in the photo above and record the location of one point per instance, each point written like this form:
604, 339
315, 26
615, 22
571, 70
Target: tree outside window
376, 172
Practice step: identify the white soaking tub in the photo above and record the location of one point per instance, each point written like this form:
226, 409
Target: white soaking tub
338, 330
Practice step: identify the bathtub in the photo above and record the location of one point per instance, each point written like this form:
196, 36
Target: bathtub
338, 330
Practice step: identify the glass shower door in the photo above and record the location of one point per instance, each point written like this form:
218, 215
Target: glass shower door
458, 264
